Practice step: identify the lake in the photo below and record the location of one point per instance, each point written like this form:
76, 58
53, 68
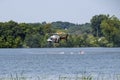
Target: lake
59, 61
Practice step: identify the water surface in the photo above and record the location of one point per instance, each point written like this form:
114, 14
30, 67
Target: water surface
58, 61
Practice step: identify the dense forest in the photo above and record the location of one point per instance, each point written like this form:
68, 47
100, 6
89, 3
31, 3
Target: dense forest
102, 31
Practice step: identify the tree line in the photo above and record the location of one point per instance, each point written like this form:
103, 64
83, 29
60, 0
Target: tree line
102, 31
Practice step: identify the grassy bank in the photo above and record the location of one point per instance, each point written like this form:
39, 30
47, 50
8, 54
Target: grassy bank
63, 77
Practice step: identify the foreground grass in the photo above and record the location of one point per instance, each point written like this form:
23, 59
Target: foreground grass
64, 77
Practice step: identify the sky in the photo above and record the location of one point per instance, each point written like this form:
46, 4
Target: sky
75, 11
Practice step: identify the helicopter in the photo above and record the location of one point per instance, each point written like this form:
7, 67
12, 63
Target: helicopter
56, 38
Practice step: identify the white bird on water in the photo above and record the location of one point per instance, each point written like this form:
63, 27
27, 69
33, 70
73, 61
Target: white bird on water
62, 52
81, 52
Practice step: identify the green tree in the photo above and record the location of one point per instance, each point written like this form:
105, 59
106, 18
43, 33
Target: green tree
96, 22
32, 41
92, 41
111, 30
48, 28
